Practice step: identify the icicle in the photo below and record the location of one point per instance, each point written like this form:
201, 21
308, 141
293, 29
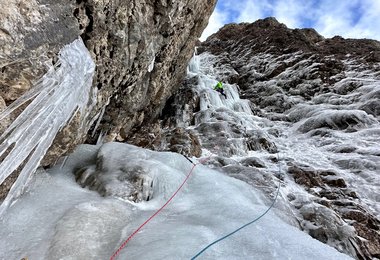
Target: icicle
193, 67
100, 117
62, 92
151, 65
100, 138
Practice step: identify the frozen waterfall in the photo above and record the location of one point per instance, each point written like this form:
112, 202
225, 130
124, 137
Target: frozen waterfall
209, 98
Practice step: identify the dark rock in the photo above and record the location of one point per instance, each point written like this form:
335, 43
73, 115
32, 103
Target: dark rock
251, 176
148, 136
347, 87
344, 149
291, 197
319, 234
356, 164
371, 107
184, 142
324, 202
337, 120
219, 161
355, 215
335, 182
179, 140
304, 176
350, 193
180, 107
330, 195
7, 185
257, 141
371, 246
253, 162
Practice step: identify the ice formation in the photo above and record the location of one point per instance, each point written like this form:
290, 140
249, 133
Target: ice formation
61, 93
57, 219
208, 97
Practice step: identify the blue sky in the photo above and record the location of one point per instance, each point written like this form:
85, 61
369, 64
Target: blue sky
347, 18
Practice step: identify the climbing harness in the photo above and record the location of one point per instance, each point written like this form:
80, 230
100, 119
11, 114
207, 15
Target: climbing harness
158, 211
249, 223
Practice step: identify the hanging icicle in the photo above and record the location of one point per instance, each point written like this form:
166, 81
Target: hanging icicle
62, 92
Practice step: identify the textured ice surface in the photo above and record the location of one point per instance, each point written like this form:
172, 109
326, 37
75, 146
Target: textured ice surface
56, 219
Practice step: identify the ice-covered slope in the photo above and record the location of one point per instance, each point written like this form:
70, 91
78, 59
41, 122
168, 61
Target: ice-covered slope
56, 219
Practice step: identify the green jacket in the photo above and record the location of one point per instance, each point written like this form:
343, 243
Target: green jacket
218, 85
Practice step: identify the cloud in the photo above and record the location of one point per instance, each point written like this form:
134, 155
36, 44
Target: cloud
228, 11
369, 24
216, 21
335, 18
251, 10
349, 19
293, 13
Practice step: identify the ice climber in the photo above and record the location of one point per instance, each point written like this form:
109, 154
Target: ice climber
219, 87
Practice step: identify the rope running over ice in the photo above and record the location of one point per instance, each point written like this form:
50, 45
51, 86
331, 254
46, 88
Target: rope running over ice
249, 223
113, 257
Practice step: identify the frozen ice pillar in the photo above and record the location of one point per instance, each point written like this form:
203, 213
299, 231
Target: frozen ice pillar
64, 90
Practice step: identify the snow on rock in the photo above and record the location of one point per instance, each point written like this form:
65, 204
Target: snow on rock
338, 120
56, 219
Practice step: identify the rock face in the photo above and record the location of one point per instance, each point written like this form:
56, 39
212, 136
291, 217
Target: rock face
316, 102
141, 50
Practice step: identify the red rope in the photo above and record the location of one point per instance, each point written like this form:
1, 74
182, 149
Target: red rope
158, 211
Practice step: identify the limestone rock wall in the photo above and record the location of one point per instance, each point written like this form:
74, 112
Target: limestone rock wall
141, 49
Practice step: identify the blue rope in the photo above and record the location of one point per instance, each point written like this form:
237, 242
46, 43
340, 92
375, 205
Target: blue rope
249, 223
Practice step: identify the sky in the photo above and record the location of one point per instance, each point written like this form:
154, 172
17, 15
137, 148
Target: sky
347, 18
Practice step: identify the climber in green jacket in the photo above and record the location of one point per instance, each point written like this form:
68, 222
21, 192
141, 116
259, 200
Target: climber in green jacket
219, 87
